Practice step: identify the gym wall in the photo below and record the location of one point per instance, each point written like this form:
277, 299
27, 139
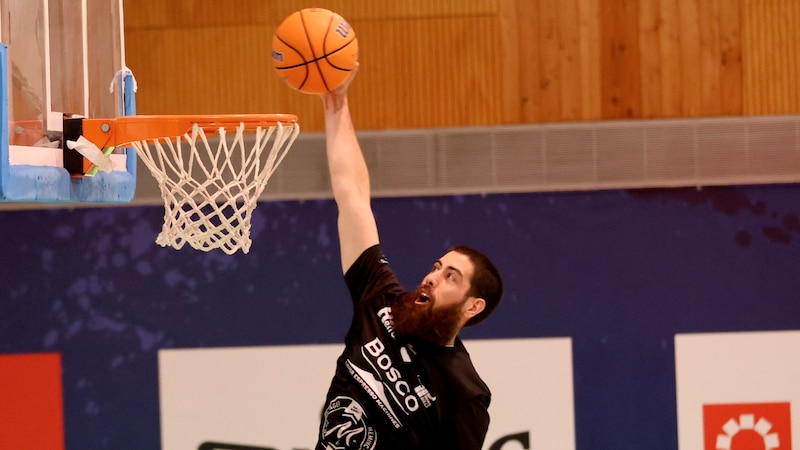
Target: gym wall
481, 62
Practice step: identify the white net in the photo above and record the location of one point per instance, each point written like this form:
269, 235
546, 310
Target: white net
211, 185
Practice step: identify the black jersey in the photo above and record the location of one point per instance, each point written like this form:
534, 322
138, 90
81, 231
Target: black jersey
389, 394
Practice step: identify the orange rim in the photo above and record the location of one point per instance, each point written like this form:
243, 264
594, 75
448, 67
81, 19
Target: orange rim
128, 129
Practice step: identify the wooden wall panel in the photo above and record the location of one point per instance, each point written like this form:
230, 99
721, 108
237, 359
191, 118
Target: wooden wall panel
530, 55
394, 10
423, 63
559, 60
690, 58
200, 73
481, 62
510, 55
426, 63
144, 14
422, 75
731, 77
621, 59
669, 53
771, 54
551, 44
570, 64
710, 61
590, 54
651, 76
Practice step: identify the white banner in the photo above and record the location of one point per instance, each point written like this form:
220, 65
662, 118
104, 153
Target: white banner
738, 391
272, 397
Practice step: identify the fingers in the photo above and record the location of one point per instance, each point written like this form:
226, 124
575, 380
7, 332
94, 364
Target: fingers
341, 91
350, 77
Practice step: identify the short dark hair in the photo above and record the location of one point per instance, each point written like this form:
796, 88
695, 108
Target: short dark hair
486, 282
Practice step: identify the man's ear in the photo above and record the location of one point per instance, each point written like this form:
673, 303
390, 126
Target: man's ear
475, 306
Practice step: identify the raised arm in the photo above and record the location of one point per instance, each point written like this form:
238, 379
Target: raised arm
349, 179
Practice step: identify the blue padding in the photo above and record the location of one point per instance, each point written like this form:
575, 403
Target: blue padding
34, 183
24, 183
4, 174
114, 187
129, 102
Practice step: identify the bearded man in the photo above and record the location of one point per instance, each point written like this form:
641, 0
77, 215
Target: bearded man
404, 380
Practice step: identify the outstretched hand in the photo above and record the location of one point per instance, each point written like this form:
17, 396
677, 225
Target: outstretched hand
336, 98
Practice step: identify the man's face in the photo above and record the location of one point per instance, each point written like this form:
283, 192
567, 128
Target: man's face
435, 312
448, 281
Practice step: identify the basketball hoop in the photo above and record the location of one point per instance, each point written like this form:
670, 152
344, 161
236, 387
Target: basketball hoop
210, 184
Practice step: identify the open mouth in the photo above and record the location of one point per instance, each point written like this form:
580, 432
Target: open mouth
423, 298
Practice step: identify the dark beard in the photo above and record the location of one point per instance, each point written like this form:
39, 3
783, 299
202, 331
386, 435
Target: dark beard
423, 322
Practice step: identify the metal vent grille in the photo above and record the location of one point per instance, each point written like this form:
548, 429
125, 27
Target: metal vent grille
543, 157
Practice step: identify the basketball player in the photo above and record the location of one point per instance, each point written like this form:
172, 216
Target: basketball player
404, 380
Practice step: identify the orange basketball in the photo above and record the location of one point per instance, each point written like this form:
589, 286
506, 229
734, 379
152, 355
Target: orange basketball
314, 50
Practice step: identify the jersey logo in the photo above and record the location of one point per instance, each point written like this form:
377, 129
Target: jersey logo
374, 389
345, 426
385, 316
404, 395
424, 396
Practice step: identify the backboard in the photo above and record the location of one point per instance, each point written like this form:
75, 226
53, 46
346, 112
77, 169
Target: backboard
62, 58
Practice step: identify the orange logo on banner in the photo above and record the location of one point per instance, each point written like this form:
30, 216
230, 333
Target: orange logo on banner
753, 426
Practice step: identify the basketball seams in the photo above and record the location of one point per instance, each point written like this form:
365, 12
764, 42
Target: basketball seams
308, 36
313, 53
296, 50
333, 53
304, 63
327, 54
311, 38
311, 44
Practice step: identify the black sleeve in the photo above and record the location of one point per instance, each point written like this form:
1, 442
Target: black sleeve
471, 424
371, 276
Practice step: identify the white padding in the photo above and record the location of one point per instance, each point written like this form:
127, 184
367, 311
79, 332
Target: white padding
35, 156
19, 155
